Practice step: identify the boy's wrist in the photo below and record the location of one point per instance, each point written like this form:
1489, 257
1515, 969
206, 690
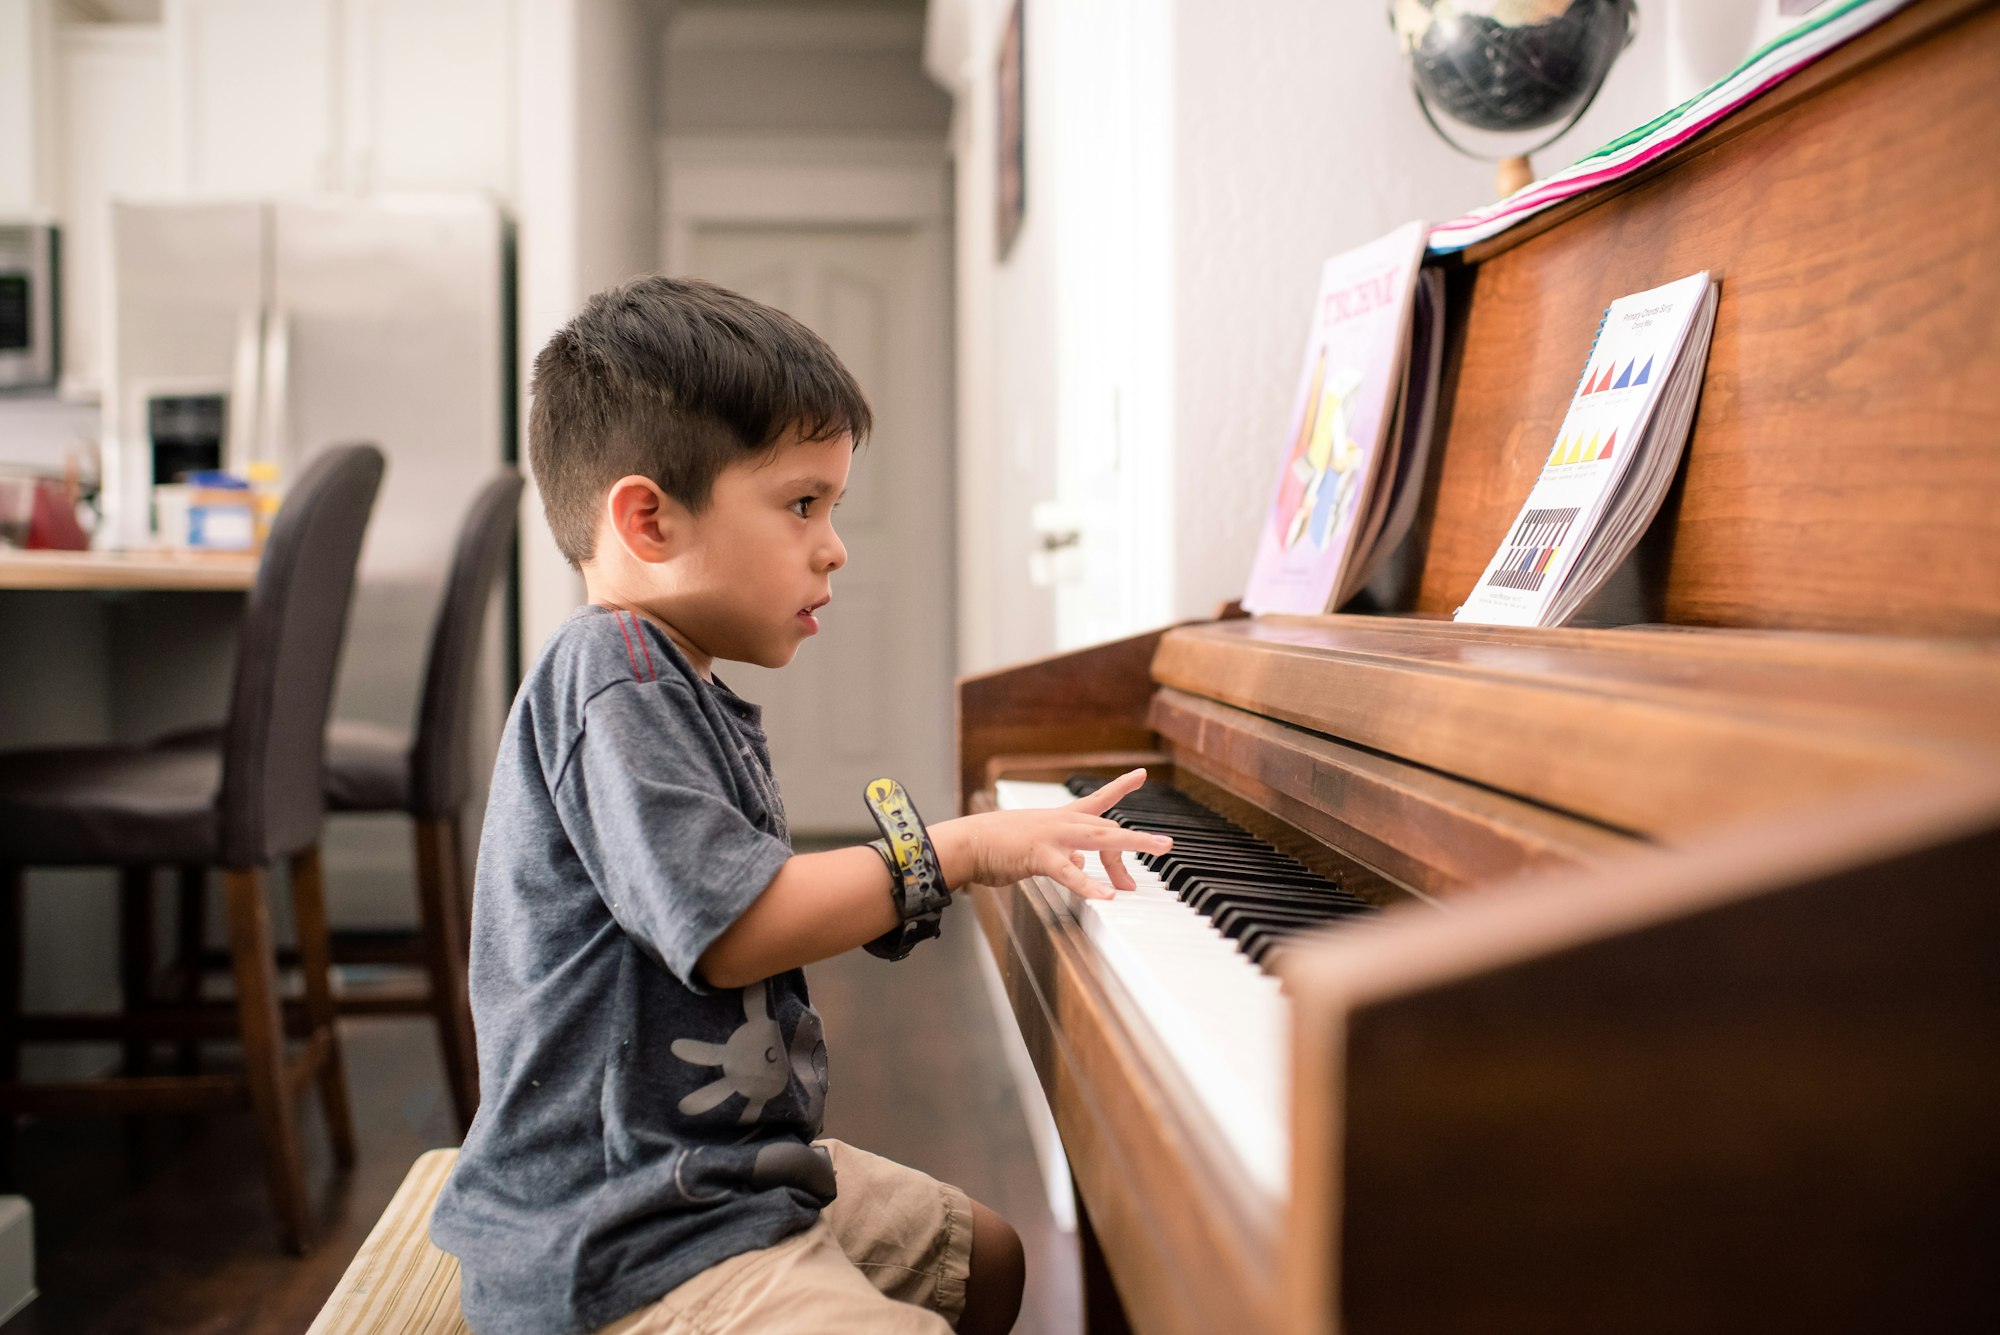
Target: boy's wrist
954, 853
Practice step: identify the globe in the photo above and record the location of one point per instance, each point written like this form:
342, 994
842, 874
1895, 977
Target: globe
1510, 64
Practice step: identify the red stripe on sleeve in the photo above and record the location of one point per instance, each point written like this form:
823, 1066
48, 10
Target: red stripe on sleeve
652, 673
630, 657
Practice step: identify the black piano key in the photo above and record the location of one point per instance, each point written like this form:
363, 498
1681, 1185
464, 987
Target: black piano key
1247, 867
1233, 920
1210, 897
1254, 893
1189, 884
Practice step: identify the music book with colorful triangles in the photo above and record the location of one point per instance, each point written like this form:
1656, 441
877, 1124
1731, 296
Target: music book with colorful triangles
1612, 462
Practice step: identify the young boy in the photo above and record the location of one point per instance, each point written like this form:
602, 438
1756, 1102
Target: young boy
652, 1071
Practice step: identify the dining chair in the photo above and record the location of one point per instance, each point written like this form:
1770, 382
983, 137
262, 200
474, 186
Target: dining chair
248, 800
427, 775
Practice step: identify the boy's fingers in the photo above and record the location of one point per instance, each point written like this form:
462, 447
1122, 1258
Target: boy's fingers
1074, 879
1096, 803
1114, 867
1118, 838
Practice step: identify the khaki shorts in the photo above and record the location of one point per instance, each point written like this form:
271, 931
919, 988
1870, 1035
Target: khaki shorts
891, 1254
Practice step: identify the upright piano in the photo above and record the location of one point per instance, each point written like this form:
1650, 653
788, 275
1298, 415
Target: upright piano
1640, 976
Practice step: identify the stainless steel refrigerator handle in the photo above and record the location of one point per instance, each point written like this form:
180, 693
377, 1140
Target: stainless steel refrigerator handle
245, 380
273, 410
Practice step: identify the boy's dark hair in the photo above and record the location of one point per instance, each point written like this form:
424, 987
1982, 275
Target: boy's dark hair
674, 379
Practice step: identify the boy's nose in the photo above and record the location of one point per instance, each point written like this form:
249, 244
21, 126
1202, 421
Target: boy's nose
836, 553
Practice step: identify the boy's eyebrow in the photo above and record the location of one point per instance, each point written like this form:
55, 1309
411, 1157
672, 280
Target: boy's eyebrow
819, 486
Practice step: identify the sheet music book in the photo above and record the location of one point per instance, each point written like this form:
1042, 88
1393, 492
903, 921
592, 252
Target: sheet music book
1330, 502
1402, 472
1612, 462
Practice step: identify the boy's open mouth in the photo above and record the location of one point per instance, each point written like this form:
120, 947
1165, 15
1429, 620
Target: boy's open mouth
811, 621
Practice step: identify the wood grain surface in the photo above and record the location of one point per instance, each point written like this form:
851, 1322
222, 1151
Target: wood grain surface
1844, 467
126, 570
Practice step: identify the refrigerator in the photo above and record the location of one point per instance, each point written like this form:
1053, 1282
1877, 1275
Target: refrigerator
262, 330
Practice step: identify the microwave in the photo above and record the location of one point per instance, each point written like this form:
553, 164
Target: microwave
29, 324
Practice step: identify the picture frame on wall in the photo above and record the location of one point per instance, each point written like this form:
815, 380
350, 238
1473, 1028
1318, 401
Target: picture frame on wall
1010, 193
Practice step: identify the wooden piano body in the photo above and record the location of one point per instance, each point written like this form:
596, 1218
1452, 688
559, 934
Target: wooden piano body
1682, 1015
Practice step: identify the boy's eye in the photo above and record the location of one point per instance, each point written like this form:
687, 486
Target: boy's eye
802, 505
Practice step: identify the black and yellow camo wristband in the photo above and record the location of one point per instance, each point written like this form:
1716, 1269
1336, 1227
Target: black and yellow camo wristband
916, 881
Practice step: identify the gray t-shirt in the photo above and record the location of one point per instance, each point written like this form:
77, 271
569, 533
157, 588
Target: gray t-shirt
635, 1127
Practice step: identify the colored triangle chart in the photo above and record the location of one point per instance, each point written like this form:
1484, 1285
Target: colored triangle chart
1588, 452
1603, 382
1625, 378
1646, 373
1605, 453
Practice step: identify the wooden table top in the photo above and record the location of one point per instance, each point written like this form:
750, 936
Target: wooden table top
127, 570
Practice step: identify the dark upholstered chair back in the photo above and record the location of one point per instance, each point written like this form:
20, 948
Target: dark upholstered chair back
275, 739
440, 764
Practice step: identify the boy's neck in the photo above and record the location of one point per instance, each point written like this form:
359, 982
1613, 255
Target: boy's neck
698, 658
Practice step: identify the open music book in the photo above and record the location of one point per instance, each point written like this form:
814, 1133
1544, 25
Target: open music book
1361, 424
1613, 459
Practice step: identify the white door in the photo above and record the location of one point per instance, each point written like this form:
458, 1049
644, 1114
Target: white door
871, 694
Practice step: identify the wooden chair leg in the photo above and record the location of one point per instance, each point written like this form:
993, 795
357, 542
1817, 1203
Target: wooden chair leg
441, 919
461, 879
252, 954
13, 920
316, 965
135, 957
191, 923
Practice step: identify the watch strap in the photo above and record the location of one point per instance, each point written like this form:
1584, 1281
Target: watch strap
916, 881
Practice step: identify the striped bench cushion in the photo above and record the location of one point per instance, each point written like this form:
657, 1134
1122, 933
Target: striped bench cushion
398, 1281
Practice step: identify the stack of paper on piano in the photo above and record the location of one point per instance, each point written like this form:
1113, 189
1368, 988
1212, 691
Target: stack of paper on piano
1770, 65
1360, 428
1613, 459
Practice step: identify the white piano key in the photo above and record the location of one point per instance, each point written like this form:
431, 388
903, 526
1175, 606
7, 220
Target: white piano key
1222, 1020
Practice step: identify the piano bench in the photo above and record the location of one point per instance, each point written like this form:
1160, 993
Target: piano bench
398, 1281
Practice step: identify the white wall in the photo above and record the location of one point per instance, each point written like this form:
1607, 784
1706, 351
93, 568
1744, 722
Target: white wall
728, 69
27, 94
587, 190
1286, 133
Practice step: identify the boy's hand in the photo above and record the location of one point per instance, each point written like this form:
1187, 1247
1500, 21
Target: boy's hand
1001, 847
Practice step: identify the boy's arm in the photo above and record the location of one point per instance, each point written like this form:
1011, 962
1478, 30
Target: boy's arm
824, 904
818, 905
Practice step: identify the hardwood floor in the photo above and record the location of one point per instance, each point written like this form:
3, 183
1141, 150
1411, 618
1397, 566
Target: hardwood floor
174, 1232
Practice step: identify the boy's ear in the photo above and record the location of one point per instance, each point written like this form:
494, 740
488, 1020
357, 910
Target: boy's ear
645, 520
